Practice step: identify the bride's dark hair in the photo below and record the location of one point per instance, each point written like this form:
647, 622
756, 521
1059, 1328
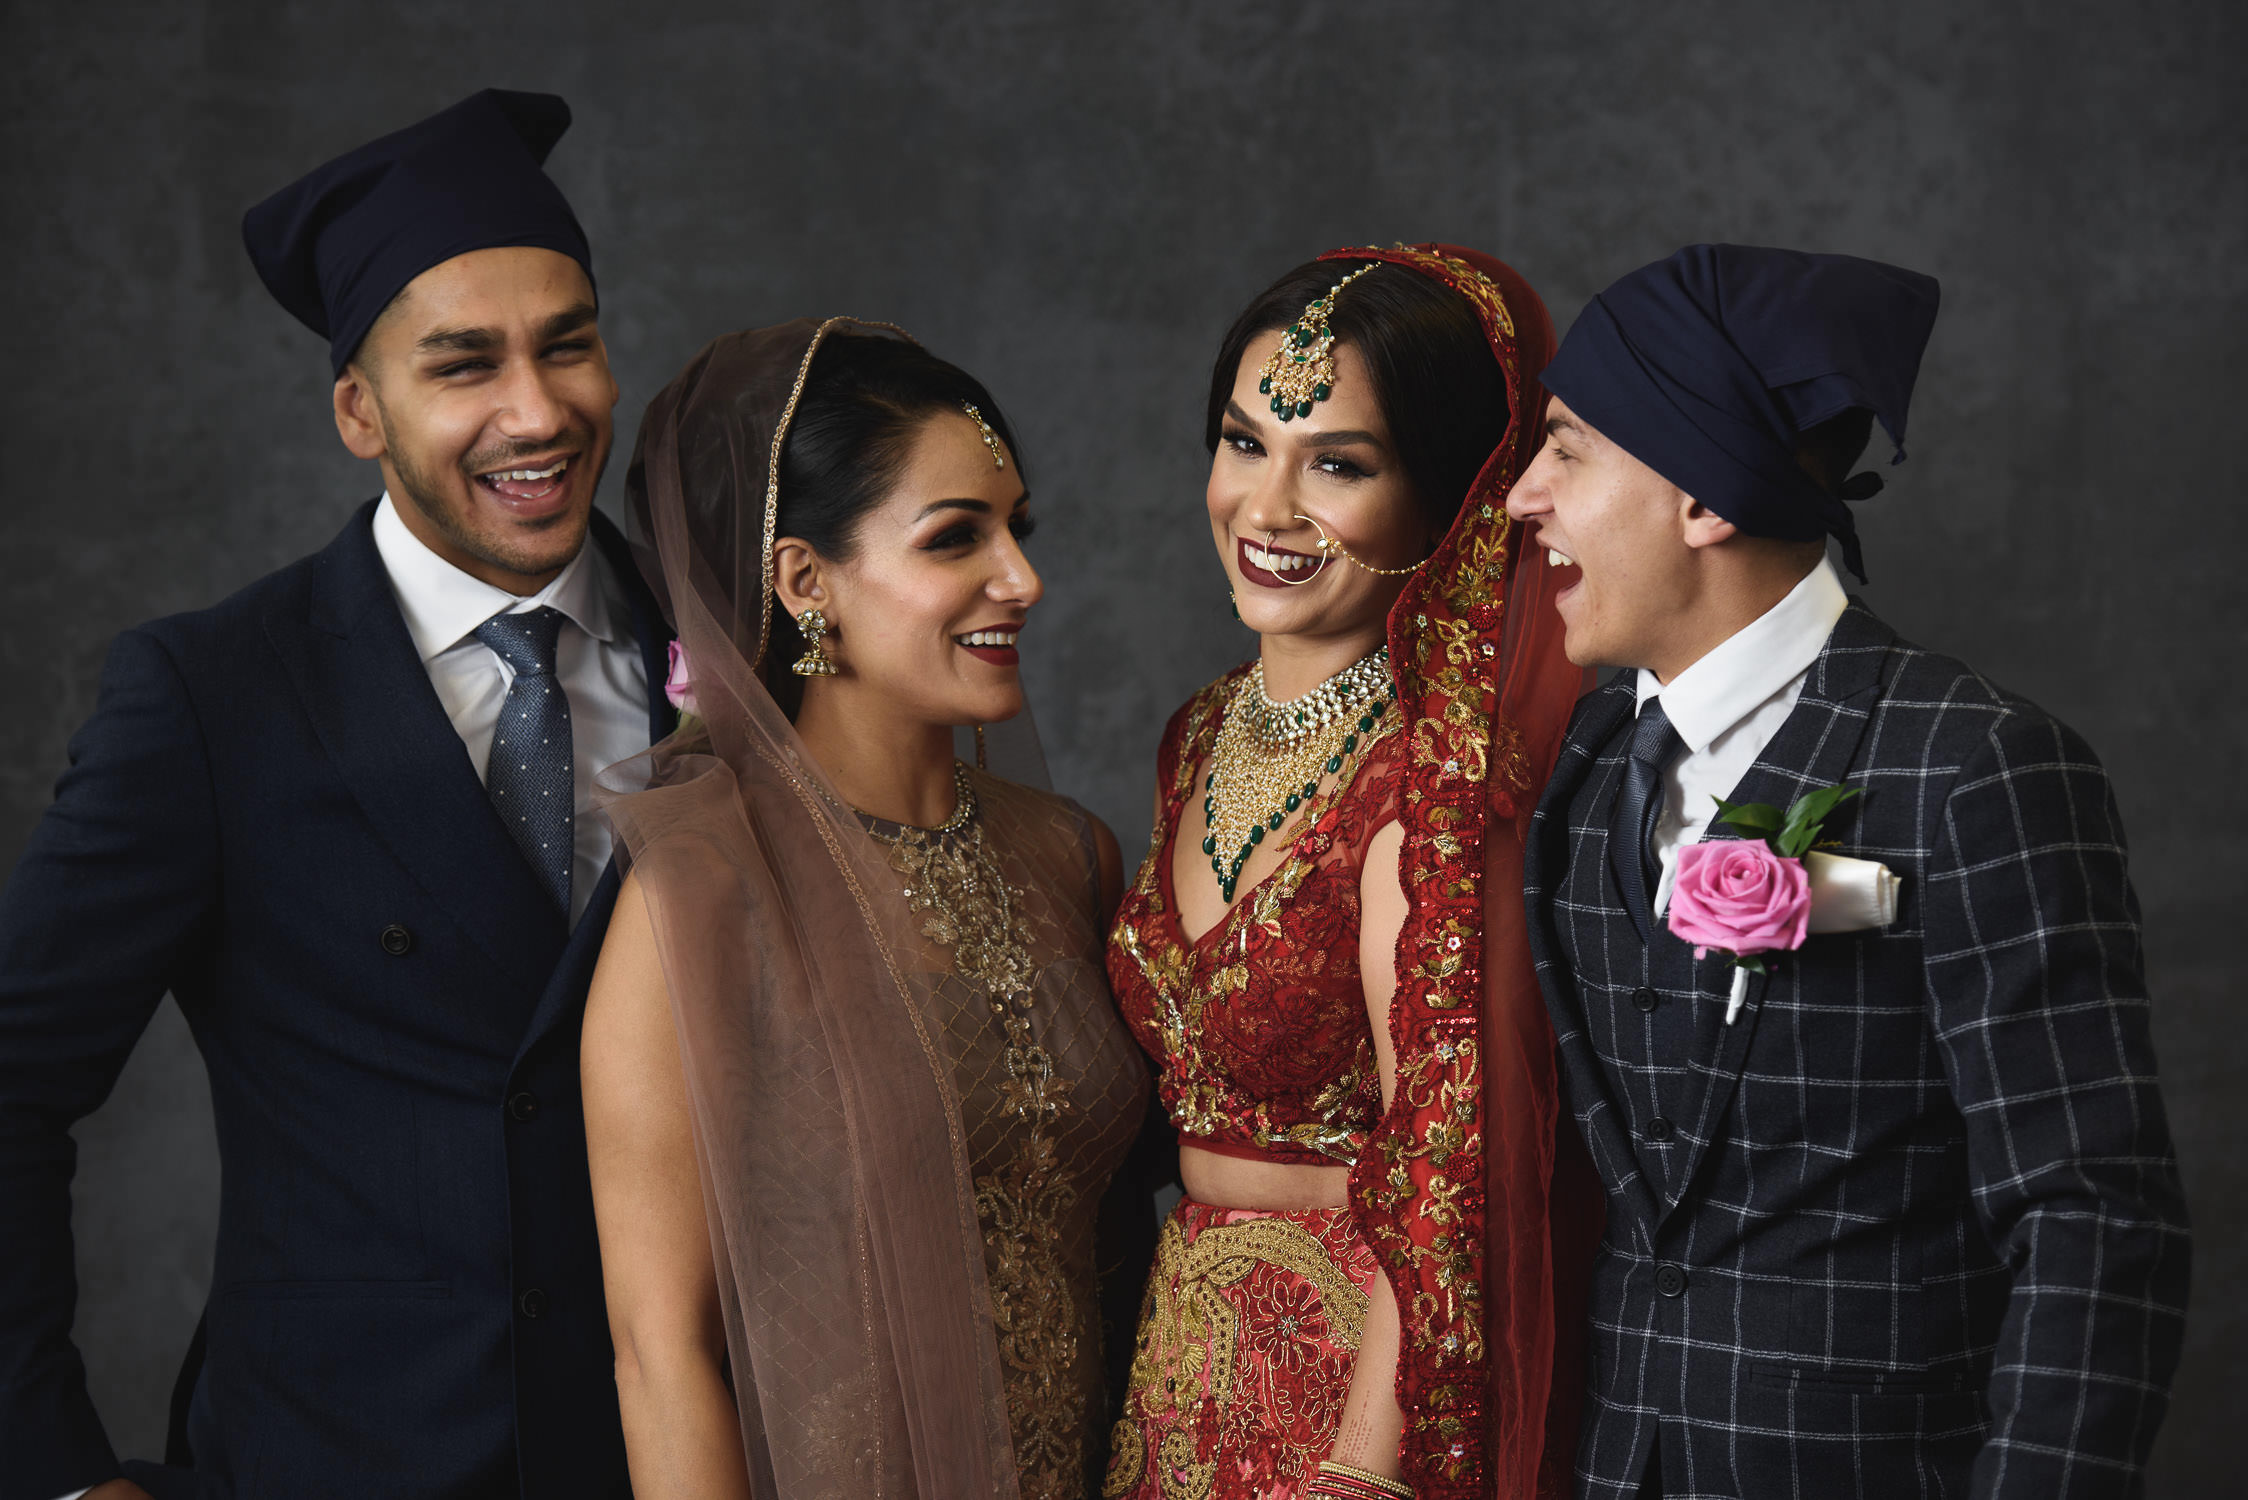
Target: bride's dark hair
1441, 393
864, 401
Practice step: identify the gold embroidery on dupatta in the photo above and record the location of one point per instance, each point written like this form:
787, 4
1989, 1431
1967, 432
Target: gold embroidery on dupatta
954, 880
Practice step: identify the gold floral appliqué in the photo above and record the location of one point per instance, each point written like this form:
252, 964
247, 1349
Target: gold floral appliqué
954, 882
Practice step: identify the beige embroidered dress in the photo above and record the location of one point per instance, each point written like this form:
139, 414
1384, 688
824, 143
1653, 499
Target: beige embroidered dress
1052, 1090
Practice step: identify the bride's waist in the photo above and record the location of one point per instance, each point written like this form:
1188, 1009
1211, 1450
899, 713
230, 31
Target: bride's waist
1224, 1181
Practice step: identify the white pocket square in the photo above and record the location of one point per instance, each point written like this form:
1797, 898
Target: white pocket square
1850, 895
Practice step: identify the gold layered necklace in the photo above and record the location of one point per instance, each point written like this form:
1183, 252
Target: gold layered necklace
1269, 756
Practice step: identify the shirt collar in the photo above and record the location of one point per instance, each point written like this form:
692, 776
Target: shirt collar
1764, 656
443, 605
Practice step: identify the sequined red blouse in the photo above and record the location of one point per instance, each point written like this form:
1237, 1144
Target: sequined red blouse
1259, 1028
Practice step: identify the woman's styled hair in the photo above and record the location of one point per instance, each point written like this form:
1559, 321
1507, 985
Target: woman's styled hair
1441, 393
864, 401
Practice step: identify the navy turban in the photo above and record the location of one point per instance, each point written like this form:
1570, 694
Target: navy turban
1707, 367
337, 244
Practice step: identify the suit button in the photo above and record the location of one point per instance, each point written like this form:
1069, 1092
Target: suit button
532, 1304
1660, 1128
1644, 998
1670, 1280
524, 1106
397, 941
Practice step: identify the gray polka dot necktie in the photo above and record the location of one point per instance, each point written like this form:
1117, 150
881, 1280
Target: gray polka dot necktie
528, 773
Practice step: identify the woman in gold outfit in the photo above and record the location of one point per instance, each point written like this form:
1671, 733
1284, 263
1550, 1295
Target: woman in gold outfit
1366, 1291
853, 1081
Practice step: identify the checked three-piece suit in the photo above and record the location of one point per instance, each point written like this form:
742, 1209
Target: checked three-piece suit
1912, 1224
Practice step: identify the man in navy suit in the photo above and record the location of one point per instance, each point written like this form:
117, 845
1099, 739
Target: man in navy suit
344, 818
1898, 1214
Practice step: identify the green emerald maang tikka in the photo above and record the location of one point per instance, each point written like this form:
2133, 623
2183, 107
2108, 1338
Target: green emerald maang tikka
1302, 369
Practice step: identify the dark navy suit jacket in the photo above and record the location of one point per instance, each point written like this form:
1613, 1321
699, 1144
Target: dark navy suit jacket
270, 816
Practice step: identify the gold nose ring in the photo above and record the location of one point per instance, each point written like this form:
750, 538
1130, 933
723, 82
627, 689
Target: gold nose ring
1297, 583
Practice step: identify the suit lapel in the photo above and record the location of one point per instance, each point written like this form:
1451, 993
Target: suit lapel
370, 701
565, 989
648, 626
1546, 871
1815, 747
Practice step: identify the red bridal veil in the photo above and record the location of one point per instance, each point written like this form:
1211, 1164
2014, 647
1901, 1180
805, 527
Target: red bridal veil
1476, 1194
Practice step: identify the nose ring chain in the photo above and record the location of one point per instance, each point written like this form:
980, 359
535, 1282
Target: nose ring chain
1328, 546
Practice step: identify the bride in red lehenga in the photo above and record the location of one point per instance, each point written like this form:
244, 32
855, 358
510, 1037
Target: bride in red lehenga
1371, 1287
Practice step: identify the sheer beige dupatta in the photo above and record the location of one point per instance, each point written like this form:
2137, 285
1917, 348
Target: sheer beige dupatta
827, 1126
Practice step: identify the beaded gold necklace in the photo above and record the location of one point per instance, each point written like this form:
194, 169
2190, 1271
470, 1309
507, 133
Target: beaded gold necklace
1269, 756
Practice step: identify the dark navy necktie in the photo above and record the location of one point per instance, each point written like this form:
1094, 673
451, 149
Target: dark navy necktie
528, 773
1631, 833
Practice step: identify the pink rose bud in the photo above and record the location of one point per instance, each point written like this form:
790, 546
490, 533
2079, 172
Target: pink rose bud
1736, 894
679, 687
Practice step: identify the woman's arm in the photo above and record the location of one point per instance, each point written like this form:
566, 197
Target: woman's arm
682, 1433
1372, 1423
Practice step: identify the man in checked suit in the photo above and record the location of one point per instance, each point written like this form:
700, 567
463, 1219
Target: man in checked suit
344, 818
1906, 1221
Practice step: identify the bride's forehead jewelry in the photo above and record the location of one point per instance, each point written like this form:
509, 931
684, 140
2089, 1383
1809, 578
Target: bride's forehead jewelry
1302, 369
991, 439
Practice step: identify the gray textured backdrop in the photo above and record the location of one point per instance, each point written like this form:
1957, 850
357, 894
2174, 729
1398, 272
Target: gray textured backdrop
1074, 207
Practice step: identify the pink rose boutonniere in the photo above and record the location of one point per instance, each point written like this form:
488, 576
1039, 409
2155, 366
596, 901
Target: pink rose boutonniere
1749, 897
679, 686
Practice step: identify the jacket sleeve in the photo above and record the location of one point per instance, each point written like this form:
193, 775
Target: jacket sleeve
2037, 985
110, 903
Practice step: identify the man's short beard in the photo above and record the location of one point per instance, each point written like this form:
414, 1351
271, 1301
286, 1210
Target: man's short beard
431, 503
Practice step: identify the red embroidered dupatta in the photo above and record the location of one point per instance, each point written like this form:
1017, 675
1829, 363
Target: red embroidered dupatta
1475, 1194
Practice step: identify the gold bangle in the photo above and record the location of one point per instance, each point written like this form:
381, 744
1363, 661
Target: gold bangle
1362, 1480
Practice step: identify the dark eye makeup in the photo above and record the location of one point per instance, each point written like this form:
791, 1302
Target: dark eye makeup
965, 533
1340, 467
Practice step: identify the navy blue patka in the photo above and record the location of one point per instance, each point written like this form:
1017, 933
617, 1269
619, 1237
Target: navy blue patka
1710, 365
335, 246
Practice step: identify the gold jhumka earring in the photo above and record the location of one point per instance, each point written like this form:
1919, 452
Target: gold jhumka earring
814, 662
1302, 369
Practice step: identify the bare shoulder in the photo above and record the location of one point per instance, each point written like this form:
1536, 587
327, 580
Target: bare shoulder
628, 949
628, 1027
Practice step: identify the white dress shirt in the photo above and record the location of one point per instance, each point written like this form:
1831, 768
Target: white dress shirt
598, 664
1727, 706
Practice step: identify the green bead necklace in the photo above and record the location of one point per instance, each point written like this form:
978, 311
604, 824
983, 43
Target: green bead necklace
1269, 757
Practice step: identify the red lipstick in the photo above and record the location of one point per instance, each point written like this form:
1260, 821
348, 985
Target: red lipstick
1296, 577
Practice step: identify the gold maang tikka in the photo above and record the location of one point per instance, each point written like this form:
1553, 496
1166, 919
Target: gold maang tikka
991, 439
1302, 369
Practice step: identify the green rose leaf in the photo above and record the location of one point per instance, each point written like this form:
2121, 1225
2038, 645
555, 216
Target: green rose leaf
1802, 827
1759, 818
